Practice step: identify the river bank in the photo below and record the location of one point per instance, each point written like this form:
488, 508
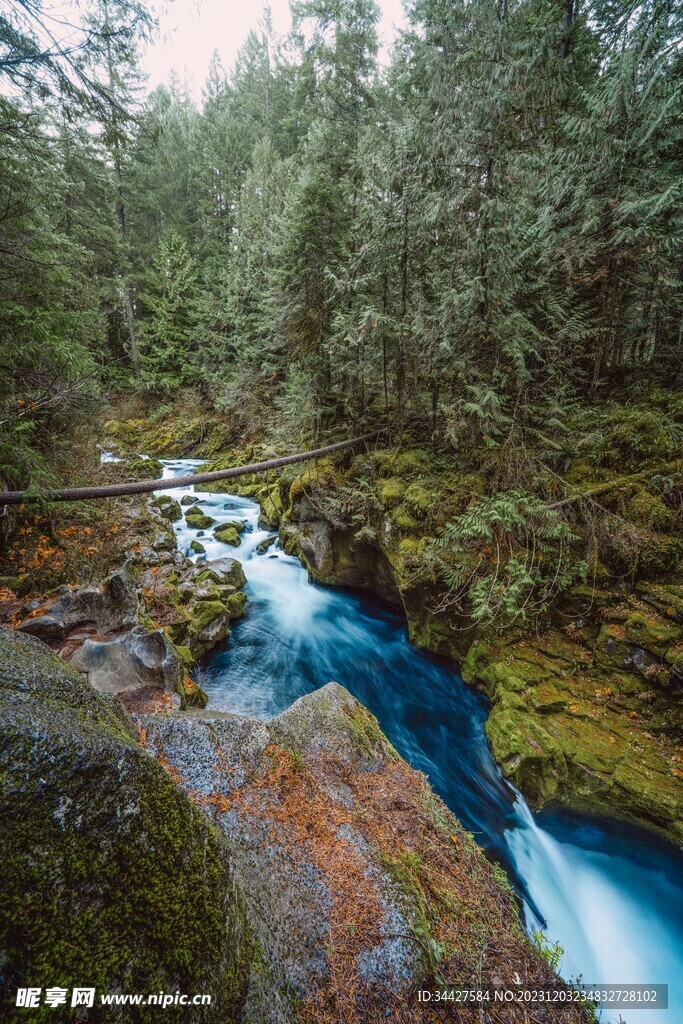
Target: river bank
511, 834
395, 909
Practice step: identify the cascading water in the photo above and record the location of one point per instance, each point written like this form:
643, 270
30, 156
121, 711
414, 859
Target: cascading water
610, 894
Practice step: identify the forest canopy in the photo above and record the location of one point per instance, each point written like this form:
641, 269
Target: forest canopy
473, 238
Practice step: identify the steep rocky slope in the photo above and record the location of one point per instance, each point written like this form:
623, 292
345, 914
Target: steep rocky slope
586, 699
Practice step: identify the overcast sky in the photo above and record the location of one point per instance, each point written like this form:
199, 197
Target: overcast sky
190, 30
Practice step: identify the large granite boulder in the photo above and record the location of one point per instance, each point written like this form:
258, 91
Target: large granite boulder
111, 876
360, 886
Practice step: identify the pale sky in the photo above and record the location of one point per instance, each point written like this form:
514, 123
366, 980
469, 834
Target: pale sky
190, 30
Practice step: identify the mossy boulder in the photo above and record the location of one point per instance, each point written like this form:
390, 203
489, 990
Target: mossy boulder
111, 877
272, 507
224, 571
189, 499
229, 533
141, 469
198, 520
208, 625
265, 545
392, 491
652, 632
195, 602
168, 507
235, 604
197, 547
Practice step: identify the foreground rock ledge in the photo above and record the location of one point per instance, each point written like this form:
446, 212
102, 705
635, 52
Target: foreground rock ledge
111, 876
360, 885
307, 873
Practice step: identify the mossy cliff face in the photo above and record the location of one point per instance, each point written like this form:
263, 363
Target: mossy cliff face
361, 886
588, 712
376, 537
111, 877
563, 727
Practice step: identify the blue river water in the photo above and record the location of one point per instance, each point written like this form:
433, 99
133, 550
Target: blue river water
609, 893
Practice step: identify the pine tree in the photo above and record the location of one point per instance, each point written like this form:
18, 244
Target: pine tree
167, 332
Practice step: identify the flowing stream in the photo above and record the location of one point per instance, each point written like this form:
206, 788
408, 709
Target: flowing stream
610, 894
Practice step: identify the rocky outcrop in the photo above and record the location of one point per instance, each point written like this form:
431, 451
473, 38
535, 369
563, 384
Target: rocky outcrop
195, 603
360, 885
589, 713
335, 557
141, 630
168, 508
131, 661
594, 723
306, 874
111, 877
113, 606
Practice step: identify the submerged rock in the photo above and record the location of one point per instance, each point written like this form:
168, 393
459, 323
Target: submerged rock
111, 877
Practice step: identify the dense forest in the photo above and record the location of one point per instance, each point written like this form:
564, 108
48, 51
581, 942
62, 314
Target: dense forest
425, 309
471, 239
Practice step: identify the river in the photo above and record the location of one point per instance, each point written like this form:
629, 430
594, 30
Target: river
610, 894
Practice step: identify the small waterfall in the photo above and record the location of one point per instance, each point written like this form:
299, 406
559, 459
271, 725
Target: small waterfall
612, 914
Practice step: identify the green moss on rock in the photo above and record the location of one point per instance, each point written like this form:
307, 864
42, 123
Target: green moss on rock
198, 520
111, 877
229, 533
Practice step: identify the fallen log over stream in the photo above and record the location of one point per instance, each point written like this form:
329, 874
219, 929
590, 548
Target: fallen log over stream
147, 486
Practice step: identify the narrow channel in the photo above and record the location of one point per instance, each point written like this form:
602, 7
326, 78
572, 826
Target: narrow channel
611, 894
